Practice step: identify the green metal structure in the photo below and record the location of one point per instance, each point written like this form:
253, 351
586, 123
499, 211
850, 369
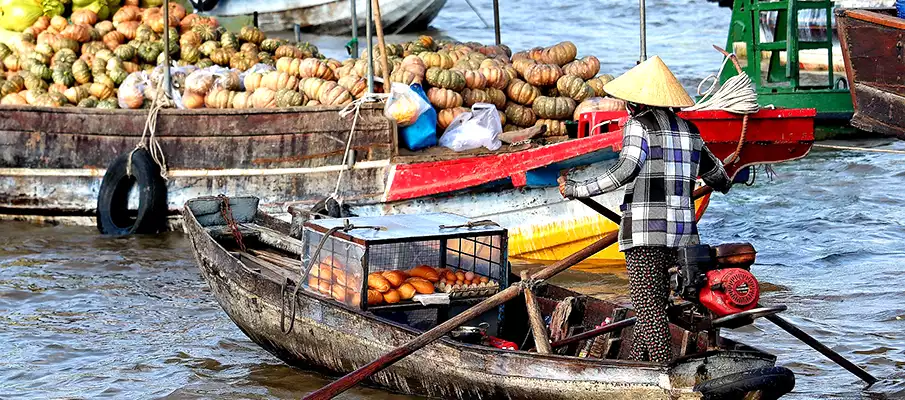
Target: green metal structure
782, 85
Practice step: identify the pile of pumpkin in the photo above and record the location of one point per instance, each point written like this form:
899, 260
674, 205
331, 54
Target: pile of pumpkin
541, 86
84, 60
90, 62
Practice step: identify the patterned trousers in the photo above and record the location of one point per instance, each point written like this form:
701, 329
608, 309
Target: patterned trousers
648, 277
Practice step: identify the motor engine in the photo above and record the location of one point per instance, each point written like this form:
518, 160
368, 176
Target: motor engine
718, 278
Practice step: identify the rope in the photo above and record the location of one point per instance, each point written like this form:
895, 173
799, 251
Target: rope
736, 95
866, 149
159, 101
353, 108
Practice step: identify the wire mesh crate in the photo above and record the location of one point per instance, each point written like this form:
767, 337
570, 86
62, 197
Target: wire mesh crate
389, 260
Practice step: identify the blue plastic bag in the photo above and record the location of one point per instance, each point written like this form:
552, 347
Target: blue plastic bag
423, 133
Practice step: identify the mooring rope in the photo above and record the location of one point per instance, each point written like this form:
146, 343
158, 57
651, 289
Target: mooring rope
736, 95
865, 149
353, 108
159, 101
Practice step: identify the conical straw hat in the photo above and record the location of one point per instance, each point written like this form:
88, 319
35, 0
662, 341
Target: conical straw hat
650, 83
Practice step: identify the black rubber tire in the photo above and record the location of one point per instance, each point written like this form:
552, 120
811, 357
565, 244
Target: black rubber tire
113, 216
773, 382
203, 5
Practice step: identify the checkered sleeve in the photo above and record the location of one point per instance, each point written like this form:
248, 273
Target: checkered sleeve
712, 171
631, 159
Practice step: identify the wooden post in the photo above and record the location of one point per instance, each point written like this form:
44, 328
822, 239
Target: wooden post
382, 44
538, 328
496, 21
167, 78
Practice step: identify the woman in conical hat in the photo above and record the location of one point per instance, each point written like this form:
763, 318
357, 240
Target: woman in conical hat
661, 158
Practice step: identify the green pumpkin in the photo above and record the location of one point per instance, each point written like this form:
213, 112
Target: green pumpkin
308, 50
125, 52
266, 59
93, 47
38, 58
98, 67
520, 115
28, 37
108, 104
229, 40
44, 49
206, 32
270, 45
104, 55
89, 102
190, 55
553, 107
251, 34
8, 87
289, 98
204, 63
81, 71
148, 52
64, 56
574, 87
118, 75
416, 48
63, 76
41, 71
144, 33
208, 47
221, 56
4, 51
66, 43
34, 82
445, 78
467, 64
105, 80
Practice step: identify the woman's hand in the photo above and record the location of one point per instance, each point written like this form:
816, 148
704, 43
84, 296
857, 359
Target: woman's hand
562, 180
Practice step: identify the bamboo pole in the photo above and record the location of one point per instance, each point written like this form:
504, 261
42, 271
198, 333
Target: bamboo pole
538, 330
369, 36
381, 43
167, 78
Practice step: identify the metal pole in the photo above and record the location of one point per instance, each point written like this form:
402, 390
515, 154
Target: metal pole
167, 79
643, 31
369, 36
354, 28
496, 21
298, 32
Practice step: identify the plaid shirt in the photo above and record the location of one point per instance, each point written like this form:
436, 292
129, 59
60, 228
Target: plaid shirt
662, 155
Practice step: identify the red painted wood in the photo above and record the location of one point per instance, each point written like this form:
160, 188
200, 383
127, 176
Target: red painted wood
428, 178
773, 136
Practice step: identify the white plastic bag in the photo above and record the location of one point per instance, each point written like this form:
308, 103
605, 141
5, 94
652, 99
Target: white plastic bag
131, 93
471, 130
405, 105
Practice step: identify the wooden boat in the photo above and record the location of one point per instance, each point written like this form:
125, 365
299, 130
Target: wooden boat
52, 161
332, 337
872, 47
331, 17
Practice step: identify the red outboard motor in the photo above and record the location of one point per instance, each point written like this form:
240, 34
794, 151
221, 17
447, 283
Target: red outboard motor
718, 278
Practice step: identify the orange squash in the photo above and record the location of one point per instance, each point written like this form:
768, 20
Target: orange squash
522, 92
447, 115
444, 98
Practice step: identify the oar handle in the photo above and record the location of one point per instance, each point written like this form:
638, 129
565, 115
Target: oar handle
822, 349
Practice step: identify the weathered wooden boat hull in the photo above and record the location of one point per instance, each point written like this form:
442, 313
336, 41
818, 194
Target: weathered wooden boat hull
333, 338
872, 47
332, 17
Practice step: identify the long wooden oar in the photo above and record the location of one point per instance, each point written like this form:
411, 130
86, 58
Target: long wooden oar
822, 349
354, 377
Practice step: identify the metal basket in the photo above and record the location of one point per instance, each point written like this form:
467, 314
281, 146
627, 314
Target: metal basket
356, 247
